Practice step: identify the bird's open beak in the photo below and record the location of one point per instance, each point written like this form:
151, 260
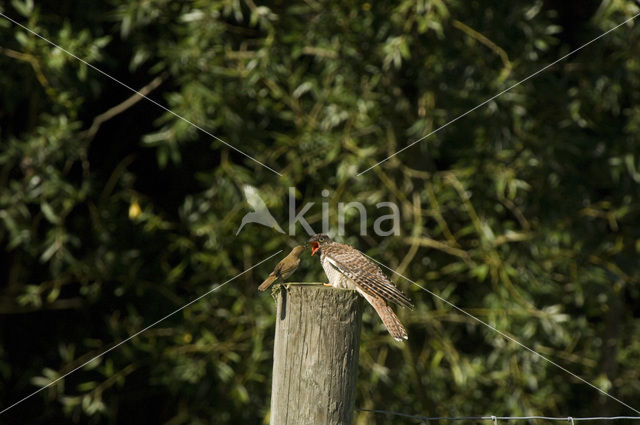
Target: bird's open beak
314, 247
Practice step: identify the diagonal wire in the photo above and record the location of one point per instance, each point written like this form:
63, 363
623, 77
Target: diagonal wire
137, 333
504, 335
544, 68
95, 68
569, 419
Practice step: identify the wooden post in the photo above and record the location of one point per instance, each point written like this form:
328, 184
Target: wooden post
315, 357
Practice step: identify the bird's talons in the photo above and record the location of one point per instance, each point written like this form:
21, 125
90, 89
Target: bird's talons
327, 284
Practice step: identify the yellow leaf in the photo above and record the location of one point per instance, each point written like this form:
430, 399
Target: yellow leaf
134, 210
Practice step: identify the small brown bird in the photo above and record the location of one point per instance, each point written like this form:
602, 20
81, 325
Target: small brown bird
348, 268
285, 267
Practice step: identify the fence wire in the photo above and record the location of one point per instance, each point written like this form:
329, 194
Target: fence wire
569, 419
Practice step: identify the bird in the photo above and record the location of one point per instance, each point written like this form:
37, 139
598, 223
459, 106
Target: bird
284, 268
260, 213
348, 268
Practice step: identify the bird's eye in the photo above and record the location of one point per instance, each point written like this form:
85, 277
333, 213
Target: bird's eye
321, 239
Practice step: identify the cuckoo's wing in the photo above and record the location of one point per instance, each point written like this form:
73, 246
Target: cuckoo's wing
365, 273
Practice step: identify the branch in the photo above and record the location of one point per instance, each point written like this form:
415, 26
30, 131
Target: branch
120, 108
506, 70
432, 243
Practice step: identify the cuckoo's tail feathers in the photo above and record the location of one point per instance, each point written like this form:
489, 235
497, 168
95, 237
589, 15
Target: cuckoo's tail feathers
391, 321
268, 281
388, 317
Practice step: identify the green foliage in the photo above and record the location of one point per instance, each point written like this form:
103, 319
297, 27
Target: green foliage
525, 212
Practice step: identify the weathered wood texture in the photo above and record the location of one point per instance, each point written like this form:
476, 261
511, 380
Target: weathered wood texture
315, 360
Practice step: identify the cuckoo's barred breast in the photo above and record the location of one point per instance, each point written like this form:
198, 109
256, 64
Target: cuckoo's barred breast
364, 272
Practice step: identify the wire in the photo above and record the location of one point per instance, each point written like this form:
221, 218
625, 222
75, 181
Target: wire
569, 419
136, 334
509, 337
499, 94
95, 68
